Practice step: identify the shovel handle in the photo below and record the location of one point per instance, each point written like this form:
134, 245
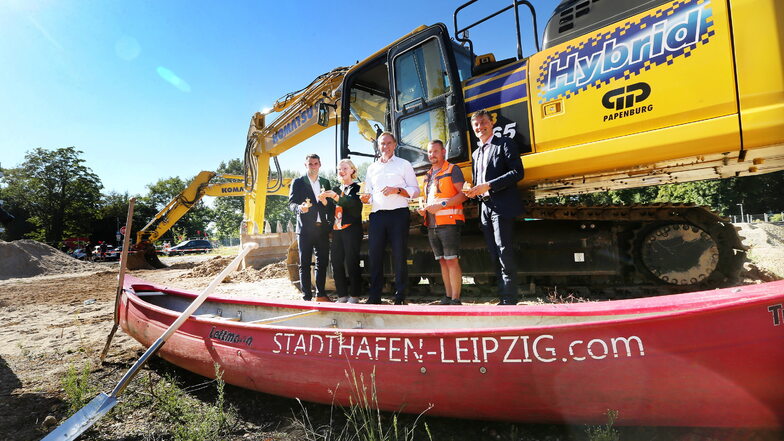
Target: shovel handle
247, 248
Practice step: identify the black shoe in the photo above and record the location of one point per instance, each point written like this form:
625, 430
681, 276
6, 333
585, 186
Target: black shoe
400, 302
455, 302
371, 301
446, 301
507, 302
306, 298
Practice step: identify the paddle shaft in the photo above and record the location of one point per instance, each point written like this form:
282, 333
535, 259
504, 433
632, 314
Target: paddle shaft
247, 248
101, 404
123, 258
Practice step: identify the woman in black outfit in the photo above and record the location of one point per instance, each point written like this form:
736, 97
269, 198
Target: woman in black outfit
346, 234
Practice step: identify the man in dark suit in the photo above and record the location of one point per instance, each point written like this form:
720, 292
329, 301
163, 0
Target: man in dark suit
314, 222
496, 170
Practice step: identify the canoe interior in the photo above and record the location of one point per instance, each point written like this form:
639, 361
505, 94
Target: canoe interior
249, 311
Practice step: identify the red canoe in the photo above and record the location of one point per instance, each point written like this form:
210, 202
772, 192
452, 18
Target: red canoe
713, 358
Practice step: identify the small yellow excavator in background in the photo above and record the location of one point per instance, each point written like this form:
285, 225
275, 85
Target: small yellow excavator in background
622, 94
144, 254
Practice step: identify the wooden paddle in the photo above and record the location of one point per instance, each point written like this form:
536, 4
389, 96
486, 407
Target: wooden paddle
123, 268
100, 405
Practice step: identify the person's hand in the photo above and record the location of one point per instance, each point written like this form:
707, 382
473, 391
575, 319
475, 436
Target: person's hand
421, 212
330, 194
364, 197
433, 209
322, 197
304, 207
390, 190
477, 190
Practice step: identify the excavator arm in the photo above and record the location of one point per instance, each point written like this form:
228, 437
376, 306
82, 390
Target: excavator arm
303, 114
165, 219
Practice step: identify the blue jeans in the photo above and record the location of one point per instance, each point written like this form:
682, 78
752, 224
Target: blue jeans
498, 231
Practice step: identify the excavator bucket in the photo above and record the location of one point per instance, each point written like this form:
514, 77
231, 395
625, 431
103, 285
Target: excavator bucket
144, 257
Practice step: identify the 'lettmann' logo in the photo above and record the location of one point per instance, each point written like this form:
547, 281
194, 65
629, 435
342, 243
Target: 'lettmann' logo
657, 38
295, 123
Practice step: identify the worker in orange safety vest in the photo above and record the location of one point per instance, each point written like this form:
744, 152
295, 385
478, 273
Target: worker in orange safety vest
442, 209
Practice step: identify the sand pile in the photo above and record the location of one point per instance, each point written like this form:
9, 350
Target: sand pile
212, 267
271, 271
767, 247
28, 258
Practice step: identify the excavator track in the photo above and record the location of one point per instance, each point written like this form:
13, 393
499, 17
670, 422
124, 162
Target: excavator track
677, 247
608, 251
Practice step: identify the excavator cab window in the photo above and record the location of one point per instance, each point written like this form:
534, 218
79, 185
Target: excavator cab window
366, 108
423, 75
420, 74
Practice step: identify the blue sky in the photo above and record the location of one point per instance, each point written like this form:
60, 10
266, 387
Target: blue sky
153, 89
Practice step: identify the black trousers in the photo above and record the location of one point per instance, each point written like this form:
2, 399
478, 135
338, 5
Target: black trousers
310, 240
498, 231
345, 260
388, 227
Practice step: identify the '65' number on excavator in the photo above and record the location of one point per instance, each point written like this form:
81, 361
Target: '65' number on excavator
508, 130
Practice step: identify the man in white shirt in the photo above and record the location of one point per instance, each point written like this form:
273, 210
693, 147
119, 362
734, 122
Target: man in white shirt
389, 184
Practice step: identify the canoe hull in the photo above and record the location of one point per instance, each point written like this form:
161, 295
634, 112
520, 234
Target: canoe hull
717, 366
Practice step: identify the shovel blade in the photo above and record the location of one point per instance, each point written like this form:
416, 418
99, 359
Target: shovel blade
83, 419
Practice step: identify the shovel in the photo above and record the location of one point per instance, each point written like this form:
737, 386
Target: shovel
97, 408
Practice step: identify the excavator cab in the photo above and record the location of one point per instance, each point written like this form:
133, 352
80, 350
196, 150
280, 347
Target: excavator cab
413, 90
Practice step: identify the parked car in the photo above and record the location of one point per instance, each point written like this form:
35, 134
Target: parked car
79, 253
191, 246
113, 253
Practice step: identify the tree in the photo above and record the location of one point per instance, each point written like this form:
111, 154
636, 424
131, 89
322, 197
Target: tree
112, 215
57, 191
228, 210
193, 223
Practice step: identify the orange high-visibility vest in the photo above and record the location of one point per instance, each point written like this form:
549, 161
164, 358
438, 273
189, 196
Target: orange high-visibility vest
445, 189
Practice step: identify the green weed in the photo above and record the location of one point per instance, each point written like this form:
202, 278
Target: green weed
606, 432
363, 420
77, 388
191, 419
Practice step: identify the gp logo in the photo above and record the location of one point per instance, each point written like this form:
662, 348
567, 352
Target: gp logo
625, 97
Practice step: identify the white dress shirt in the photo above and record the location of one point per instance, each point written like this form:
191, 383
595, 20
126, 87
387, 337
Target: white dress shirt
483, 158
397, 172
316, 186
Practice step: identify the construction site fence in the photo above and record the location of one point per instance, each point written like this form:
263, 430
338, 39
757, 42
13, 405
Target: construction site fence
749, 218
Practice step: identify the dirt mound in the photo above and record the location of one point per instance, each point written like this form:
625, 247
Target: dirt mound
28, 258
767, 246
751, 273
212, 267
271, 271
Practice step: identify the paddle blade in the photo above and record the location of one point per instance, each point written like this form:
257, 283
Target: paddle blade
82, 420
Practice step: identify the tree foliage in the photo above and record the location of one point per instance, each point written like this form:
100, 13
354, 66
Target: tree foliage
757, 194
227, 211
57, 192
193, 224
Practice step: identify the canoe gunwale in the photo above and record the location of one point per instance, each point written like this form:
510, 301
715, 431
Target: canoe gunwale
658, 310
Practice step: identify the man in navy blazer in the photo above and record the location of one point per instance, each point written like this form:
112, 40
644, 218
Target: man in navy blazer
314, 222
496, 171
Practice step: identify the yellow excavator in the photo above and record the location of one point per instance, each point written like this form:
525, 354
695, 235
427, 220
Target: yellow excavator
144, 254
621, 94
